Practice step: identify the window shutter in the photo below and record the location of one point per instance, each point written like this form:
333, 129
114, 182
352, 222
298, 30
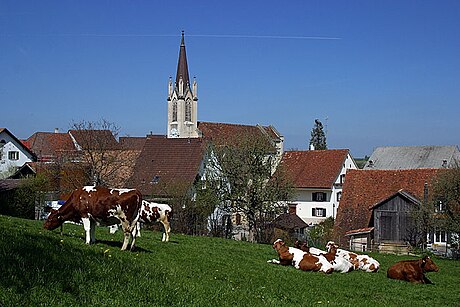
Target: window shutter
313, 211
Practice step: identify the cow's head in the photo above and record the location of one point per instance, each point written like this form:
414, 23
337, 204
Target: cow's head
330, 245
54, 220
428, 265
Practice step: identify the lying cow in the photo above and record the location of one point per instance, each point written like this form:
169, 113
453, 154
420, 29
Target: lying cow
413, 270
92, 205
300, 259
152, 213
360, 262
338, 263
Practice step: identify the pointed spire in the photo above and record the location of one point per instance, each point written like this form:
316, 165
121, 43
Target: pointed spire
182, 67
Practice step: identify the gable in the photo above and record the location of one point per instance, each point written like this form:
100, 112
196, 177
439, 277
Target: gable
7, 137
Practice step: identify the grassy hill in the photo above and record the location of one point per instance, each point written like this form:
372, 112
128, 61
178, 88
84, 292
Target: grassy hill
40, 267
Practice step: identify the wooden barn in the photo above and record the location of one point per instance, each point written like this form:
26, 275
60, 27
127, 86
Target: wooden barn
374, 212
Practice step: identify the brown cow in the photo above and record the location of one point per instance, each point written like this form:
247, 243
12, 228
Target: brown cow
413, 270
92, 205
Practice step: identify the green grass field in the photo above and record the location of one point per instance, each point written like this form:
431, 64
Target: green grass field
43, 268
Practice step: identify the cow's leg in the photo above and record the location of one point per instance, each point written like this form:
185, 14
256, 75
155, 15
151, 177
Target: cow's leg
93, 231
87, 226
167, 229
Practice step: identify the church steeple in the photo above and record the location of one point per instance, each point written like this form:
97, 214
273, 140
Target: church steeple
182, 100
182, 69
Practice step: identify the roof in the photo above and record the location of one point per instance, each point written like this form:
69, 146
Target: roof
314, 168
182, 67
49, 143
412, 157
359, 231
366, 188
165, 162
133, 143
9, 184
289, 221
95, 139
19, 143
225, 134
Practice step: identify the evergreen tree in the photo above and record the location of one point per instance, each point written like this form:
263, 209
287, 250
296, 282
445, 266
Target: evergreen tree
318, 137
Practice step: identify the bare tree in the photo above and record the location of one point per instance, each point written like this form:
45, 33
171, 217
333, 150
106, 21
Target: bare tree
101, 159
243, 174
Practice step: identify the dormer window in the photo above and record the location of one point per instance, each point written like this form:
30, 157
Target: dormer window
155, 179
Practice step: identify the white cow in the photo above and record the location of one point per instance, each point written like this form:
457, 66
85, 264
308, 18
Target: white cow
152, 213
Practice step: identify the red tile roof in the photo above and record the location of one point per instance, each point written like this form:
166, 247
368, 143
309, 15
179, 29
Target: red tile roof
132, 143
50, 144
164, 163
220, 133
95, 139
314, 168
364, 188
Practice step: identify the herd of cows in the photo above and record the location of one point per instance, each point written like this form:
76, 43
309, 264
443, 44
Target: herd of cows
93, 205
339, 260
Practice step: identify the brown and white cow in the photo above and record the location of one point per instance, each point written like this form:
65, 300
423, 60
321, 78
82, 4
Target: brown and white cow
360, 262
413, 270
338, 263
300, 259
152, 213
101, 205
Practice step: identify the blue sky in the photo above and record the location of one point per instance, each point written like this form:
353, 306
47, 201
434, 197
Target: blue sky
376, 73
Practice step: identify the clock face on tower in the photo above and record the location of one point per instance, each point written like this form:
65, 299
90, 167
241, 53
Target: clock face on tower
174, 132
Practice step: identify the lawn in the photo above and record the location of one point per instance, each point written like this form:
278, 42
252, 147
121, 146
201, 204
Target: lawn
43, 268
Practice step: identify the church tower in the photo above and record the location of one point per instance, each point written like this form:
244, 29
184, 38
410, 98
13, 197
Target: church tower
182, 101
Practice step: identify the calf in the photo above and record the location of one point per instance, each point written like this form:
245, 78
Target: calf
360, 262
92, 205
300, 259
413, 270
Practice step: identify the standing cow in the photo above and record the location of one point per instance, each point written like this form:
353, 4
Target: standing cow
94, 204
413, 270
152, 213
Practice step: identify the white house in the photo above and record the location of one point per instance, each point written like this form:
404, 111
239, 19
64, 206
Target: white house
13, 154
317, 176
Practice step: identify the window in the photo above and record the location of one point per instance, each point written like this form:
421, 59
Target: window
238, 219
174, 111
440, 207
188, 111
319, 196
318, 212
13, 155
440, 237
342, 179
339, 196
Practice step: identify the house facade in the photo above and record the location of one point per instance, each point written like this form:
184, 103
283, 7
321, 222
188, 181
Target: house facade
318, 177
13, 154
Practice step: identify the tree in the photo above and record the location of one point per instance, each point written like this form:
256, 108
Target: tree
102, 161
318, 137
242, 174
446, 198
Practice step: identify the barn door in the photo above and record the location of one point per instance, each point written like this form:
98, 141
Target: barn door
387, 226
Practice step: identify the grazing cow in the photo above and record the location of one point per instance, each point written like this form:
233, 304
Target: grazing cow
360, 262
300, 259
152, 213
92, 205
413, 270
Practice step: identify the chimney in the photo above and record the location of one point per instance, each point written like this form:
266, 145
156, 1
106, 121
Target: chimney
312, 147
56, 130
